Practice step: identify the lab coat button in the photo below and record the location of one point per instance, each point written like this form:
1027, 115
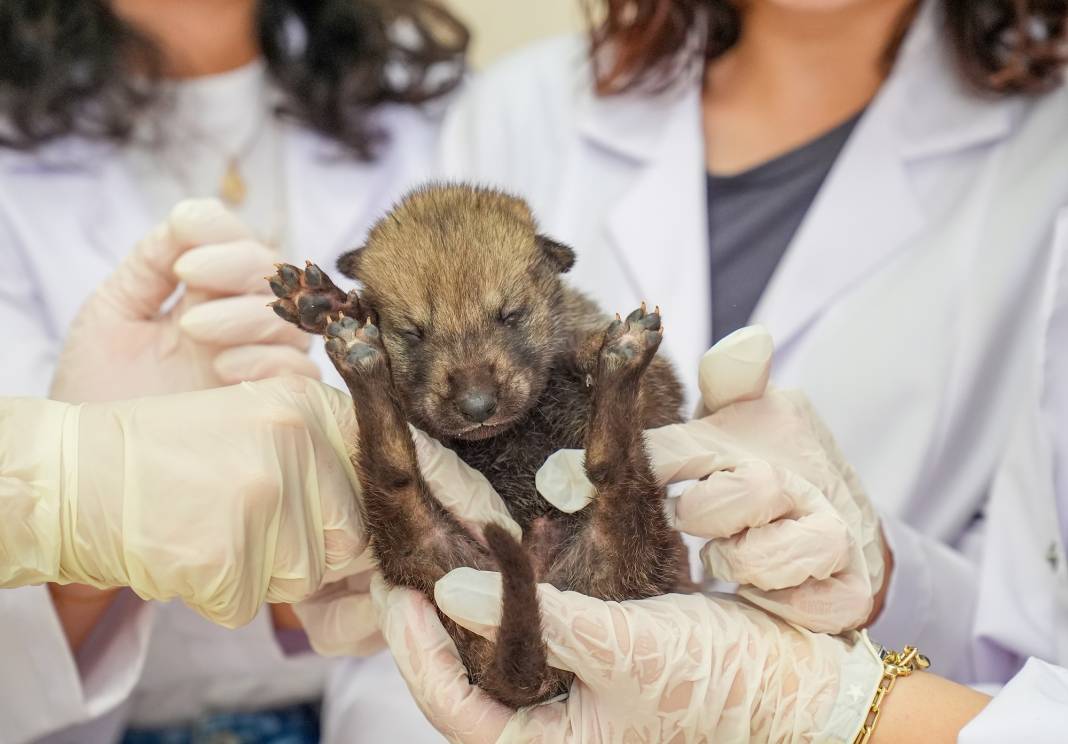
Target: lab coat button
1052, 558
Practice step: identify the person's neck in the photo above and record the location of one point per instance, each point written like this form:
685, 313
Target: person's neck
799, 71
196, 37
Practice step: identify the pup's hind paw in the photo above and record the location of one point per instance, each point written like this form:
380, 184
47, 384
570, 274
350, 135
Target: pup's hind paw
307, 298
630, 344
355, 347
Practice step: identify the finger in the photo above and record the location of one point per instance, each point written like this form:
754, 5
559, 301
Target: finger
244, 363
731, 501
472, 598
736, 368
682, 452
195, 222
145, 279
236, 321
461, 489
782, 554
832, 605
431, 666
235, 267
562, 480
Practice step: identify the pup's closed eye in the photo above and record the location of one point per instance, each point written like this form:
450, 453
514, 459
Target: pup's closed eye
413, 334
511, 317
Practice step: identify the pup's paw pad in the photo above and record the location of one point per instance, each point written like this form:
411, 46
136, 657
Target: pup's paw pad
631, 343
307, 298
354, 346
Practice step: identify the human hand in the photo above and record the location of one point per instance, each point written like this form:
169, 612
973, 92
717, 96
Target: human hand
226, 498
124, 345
784, 513
670, 668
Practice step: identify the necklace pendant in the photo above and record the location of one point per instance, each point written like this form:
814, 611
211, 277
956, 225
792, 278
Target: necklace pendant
232, 189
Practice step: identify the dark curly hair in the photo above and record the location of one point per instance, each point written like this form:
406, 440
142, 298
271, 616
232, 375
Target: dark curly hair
1001, 46
66, 66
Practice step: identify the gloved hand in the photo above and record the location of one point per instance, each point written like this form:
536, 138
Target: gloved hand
680, 668
785, 514
225, 498
124, 345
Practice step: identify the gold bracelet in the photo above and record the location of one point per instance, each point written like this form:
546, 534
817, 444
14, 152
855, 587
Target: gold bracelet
895, 665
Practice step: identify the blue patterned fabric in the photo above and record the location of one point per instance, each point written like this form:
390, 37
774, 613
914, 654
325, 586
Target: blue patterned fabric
297, 724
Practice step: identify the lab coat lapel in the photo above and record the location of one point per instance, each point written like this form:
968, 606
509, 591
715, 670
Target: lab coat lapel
869, 207
656, 229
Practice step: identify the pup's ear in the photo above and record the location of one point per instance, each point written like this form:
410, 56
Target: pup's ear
349, 263
561, 257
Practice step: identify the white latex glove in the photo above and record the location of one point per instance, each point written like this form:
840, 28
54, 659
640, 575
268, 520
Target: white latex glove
678, 668
226, 498
785, 514
124, 345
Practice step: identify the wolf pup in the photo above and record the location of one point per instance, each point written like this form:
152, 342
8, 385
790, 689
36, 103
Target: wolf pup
464, 328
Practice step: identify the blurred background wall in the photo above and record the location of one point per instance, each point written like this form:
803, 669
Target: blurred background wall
499, 26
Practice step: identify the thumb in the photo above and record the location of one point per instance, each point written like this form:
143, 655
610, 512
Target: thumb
145, 279
736, 368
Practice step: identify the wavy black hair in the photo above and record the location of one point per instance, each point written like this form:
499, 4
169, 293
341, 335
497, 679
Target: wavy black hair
1002, 47
67, 66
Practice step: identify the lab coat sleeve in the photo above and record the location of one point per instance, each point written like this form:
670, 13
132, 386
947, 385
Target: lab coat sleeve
1032, 708
930, 602
43, 687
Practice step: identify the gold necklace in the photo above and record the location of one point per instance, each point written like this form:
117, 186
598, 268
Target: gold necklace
232, 188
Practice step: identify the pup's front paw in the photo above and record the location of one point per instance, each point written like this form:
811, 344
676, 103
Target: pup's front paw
307, 298
630, 344
355, 347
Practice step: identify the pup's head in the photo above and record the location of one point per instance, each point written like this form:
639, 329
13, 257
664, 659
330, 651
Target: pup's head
467, 296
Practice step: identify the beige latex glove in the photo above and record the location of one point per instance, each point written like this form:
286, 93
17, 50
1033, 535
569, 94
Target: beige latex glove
226, 498
785, 514
677, 668
124, 345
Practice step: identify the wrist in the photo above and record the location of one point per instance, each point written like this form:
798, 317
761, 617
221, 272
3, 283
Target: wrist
91, 497
79, 609
928, 707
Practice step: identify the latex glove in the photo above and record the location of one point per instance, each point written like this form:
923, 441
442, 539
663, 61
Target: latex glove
224, 498
679, 668
123, 344
785, 514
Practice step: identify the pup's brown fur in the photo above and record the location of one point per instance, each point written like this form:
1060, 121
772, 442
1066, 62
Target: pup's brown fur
464, 328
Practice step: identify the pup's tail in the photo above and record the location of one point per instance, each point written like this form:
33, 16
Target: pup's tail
519, 674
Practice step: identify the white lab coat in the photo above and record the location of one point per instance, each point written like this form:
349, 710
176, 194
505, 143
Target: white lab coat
1022, 614
905, 305
67, 216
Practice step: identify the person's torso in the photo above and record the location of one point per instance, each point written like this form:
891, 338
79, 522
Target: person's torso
69, 216
903, 305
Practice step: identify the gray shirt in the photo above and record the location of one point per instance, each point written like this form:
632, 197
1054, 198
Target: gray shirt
752, 217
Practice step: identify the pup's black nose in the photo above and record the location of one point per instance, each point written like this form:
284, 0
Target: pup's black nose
477, 404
